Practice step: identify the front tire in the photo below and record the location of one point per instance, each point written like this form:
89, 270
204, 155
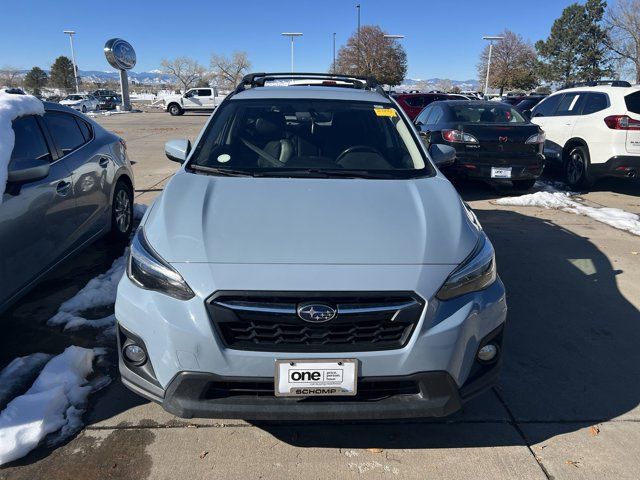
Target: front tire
121, 212
524, 184
84, 109
175, 110
576, 168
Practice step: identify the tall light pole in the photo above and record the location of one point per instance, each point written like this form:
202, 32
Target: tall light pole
71, 33
292, 35
358, 7
334, 52
491, 40
391, 39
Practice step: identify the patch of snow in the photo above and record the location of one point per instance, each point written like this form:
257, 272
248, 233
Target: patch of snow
21, 372
54, 403
12, 107
554, 199
99, 292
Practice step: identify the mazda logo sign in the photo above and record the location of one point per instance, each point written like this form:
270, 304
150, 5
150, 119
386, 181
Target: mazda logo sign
120, 54
316, 312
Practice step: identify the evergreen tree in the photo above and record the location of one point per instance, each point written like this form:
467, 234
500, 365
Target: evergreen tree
35, 79
575, 49
62, 74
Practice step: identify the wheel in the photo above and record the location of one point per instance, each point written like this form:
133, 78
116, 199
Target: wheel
121, 212
524, 184
97, 107
175, 110
576, 168
84, 109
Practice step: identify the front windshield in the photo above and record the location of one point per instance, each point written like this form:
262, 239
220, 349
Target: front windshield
74, 97
499, 113
307, 137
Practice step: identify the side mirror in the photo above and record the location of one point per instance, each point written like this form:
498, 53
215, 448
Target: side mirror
23, 171
177, 150
419, 124
527, 113
442, 155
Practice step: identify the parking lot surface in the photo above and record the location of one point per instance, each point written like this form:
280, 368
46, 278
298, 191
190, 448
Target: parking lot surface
567, 405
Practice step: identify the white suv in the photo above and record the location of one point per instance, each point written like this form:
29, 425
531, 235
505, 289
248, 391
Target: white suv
592, 131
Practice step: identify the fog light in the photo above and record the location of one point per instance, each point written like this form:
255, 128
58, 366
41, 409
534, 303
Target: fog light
487, 353
135, 354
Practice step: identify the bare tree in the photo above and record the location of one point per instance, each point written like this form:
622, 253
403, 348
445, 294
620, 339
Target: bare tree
623, 21
444, 85
9, 76
186, 70
513, 63
379, 57
228, 72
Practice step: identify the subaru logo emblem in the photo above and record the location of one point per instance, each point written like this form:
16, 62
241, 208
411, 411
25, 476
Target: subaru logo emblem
316, 312
503, 139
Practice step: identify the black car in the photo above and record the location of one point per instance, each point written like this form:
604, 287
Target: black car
530, 101
109, 102
493, 140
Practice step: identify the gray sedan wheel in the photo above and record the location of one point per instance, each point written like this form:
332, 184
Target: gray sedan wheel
122, 212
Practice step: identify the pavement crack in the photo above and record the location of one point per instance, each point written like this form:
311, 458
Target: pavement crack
515, 424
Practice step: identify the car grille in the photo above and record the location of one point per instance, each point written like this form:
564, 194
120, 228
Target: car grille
270, 322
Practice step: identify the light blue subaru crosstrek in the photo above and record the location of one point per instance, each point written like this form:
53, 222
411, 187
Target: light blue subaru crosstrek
309, 261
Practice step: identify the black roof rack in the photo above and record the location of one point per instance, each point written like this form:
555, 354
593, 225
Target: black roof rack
253, 80
595, 83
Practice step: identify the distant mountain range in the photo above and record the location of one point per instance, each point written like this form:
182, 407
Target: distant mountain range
156, 77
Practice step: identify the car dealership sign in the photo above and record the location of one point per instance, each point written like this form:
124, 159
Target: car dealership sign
120, 54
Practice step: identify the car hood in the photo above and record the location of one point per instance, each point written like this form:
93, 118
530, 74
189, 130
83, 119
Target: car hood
238, 220
70, 102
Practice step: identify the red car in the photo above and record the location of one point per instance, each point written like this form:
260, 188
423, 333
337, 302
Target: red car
413, 103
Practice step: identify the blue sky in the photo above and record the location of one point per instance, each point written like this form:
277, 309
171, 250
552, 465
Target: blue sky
443, 39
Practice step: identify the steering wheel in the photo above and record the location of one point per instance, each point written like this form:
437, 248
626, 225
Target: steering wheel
354, 148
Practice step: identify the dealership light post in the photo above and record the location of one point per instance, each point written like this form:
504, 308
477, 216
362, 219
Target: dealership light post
391, 39
71, 33
292, 35
334, 53
358, 7
491, 40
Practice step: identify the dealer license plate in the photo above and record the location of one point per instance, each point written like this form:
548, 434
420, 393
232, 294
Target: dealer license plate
498, 172
309, 378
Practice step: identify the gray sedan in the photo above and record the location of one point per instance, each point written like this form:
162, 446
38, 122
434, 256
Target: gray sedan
69, 183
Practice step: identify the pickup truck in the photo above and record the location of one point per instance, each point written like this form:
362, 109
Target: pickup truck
194, 99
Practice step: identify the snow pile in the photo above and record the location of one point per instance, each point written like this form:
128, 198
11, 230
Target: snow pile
12, 107
54, 402
553, 199
99, 292
19, 374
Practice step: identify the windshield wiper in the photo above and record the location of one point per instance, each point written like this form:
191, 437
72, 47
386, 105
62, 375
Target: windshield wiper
324, 173
226, 172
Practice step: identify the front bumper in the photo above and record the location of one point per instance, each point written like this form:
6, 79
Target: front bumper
424, 394
187, 357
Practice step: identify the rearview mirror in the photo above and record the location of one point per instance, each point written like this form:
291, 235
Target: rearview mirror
177, 150
23, 171
442, 155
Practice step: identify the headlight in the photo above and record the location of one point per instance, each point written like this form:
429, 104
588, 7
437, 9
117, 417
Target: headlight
537, 138
477, 272
148, 270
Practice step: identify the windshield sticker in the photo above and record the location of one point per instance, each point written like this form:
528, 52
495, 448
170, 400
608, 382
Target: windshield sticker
385, 112
224, 158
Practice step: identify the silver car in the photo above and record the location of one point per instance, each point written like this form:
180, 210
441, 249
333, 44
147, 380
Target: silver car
69, 183
309, 261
